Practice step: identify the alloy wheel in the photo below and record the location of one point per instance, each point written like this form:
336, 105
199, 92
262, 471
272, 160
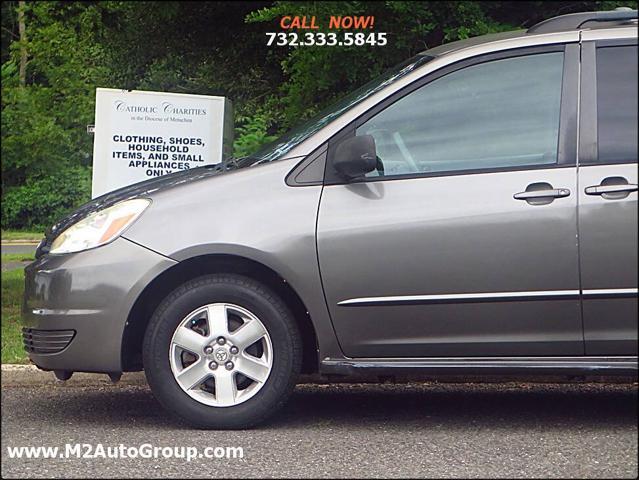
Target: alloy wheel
221, 354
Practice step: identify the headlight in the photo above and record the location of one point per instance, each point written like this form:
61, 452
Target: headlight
99, 227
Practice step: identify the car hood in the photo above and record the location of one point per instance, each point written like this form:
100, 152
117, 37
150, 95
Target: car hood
137, 190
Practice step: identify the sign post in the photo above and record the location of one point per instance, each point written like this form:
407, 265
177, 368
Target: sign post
139, 135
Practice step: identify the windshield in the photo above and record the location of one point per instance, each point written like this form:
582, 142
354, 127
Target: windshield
282, 145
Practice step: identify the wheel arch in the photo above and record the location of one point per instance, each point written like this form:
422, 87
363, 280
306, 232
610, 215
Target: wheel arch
193, 267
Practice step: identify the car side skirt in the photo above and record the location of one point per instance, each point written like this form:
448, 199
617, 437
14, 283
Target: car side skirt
618, 365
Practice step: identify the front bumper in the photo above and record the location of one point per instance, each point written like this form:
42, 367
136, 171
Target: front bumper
76, 305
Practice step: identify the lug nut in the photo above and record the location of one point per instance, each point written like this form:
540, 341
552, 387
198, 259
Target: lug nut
221, 340
213, 365
229, 365
208, 350
234, 350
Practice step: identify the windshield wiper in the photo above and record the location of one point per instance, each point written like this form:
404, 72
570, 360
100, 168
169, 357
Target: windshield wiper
230, 163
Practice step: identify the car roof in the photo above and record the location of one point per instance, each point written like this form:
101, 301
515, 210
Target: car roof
565, 23
471, 42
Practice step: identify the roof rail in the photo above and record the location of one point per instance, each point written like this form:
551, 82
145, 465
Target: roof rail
574, 21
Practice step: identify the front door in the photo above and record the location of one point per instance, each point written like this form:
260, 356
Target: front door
463, 242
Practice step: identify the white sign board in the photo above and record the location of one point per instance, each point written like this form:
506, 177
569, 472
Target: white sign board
140, 135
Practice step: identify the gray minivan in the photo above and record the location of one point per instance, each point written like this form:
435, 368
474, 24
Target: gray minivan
472, 211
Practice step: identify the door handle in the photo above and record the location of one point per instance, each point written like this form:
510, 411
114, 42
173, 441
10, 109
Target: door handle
601, 189
612, 188
539, 194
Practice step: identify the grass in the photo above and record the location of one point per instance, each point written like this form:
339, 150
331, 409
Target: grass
25, 235
12, 288
17, 257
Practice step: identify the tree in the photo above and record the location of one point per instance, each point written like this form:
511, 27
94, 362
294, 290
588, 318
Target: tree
46, 105
54, 54
23, 43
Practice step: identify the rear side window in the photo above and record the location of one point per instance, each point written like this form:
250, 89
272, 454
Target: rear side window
501, 113
617, 103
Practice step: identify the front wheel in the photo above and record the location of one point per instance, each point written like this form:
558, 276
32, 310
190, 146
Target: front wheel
222, 351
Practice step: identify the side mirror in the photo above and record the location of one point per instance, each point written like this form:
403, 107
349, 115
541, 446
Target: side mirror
355, 157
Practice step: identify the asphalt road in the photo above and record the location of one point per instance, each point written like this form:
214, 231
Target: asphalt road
416, 430
18, 247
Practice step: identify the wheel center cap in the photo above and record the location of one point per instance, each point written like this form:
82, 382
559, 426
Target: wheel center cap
221, 355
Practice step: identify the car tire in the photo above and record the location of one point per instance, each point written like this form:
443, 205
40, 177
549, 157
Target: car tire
164, 358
